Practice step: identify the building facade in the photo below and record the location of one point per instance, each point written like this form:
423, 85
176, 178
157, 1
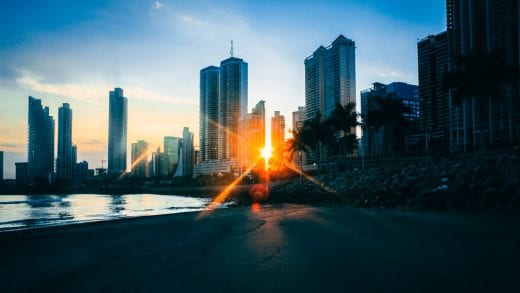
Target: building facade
330, 79
209, 113
172, 149
64, 160
277, 133
252, 137
232, 105
373, 140
298, 118
40, 141
432, 54
484, 26
140, 159
117, 132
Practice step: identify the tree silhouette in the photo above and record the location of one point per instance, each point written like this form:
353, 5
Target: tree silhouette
388, 117
296, 144
481, 76
343, 121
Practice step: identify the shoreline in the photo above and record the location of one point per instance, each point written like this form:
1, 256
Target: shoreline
286, 246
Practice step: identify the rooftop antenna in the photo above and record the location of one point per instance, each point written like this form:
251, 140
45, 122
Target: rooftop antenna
231, 50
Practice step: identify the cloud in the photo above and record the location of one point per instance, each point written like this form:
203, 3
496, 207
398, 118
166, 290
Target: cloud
94, 93
157, 5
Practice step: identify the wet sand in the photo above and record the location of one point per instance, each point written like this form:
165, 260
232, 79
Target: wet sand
285, 247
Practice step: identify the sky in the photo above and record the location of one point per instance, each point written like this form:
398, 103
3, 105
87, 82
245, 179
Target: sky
76, 51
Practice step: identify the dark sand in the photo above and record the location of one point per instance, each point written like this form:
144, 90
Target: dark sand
289, 247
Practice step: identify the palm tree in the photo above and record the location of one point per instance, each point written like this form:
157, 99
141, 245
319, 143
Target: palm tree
481, 76
344, 120
296, 144
388, 117
316, 133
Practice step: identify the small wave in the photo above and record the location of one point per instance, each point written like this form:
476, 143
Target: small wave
33, 201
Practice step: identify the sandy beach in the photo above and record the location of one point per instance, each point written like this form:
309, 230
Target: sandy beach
282, 247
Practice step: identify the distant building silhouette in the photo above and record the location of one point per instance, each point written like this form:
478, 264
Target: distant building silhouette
172, 149
209, 113
40, 142
277, 133
298, 118
139, 158
64, 163
432, 53
232, 105
484, 26
1, 166
252, 136
187, 160
117, 131
22, 173
330, 79
373, 140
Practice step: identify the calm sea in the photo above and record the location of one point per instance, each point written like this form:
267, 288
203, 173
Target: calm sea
28, 211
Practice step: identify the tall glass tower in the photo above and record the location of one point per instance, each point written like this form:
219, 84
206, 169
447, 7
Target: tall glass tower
64, 161
232, 105
40, 141
330, 77
117, 129
209, 114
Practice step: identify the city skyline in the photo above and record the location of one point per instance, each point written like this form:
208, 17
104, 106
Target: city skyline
163, 90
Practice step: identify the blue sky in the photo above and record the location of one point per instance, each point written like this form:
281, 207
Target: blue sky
76, 51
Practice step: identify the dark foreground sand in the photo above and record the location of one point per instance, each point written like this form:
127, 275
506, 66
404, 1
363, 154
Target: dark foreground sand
289, 247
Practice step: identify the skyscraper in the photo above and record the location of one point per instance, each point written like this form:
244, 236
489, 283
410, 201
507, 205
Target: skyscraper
330, 78
117, 129
232, 105
64, 162
139, 158
186, 162
188, 152
433, 65
252, 136
298, 118
40, 141
484, 26
209, 113
277, 133
172, 148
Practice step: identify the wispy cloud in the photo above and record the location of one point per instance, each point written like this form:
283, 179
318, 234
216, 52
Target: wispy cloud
157, 5
94, 93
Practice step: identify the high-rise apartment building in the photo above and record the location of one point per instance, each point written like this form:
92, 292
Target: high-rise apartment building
139, 158
252, 136
117, 130
64, 164
330, 77
432, 54
187, 159
484, 26
277, 133
298, 118
172, 149
209, 113
40, 141
232, 105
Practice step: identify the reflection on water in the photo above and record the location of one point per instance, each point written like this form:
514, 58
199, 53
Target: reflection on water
24, 211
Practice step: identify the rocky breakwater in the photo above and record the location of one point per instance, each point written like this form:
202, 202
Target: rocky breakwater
478, 182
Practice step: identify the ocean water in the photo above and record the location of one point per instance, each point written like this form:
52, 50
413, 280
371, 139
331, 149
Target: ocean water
29, 211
